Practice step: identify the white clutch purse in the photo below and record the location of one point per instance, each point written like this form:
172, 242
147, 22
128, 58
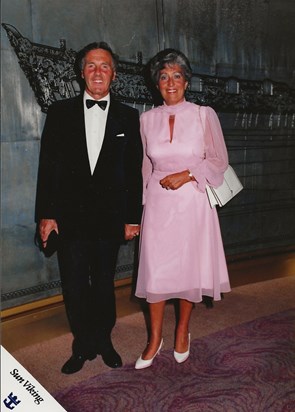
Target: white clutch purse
230, 187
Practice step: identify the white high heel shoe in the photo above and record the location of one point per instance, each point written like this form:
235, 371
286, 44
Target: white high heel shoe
145, 363
182, 357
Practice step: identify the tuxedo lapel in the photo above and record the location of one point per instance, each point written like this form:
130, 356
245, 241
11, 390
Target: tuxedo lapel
79, 132
113, 129
113, 124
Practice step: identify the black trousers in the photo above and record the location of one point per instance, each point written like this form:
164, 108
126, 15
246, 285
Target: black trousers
87, 270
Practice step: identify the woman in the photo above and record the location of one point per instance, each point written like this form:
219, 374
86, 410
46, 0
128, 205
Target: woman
181, 251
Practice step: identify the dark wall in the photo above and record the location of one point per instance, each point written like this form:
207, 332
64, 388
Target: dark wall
250, 40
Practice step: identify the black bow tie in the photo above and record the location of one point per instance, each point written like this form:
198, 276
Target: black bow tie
101, 103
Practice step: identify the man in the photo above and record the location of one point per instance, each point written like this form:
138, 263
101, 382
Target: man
89, 192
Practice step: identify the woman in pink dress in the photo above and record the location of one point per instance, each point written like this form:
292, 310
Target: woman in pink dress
181, 250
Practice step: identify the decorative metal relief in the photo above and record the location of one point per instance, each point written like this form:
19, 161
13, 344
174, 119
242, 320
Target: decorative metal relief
50, 72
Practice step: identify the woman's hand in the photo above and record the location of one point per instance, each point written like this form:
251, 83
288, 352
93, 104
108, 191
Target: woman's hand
176, 180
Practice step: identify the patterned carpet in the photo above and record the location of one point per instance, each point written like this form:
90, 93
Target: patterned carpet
249, 367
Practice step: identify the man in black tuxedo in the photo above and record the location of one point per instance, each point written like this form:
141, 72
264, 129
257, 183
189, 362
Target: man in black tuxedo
89, 191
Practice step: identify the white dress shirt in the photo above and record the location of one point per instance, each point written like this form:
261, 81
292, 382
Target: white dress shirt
95, 124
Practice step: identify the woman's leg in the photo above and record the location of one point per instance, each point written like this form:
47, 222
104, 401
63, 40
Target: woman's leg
182, 329
156, 314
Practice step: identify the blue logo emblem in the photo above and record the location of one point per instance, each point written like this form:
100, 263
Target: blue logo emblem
11, 401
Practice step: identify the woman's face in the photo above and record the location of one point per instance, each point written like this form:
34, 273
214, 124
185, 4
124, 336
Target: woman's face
172, 84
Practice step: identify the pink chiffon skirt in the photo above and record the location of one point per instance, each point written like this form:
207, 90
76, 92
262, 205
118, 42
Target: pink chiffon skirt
181, 250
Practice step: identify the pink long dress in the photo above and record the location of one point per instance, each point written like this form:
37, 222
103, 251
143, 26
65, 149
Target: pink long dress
181, 250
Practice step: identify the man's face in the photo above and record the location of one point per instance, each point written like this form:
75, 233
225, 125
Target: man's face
98, 73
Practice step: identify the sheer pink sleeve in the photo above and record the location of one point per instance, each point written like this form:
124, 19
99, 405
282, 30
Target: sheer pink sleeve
210, 171
147, 166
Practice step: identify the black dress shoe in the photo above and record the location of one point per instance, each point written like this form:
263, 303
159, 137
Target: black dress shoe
110, 357
74, 364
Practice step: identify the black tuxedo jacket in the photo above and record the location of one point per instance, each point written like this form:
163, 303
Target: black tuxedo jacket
88, 206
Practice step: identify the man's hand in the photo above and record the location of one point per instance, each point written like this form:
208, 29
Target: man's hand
46, 226
131, 231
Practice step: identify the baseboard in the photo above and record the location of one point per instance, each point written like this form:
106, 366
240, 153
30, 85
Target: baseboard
46, 303
261, 253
